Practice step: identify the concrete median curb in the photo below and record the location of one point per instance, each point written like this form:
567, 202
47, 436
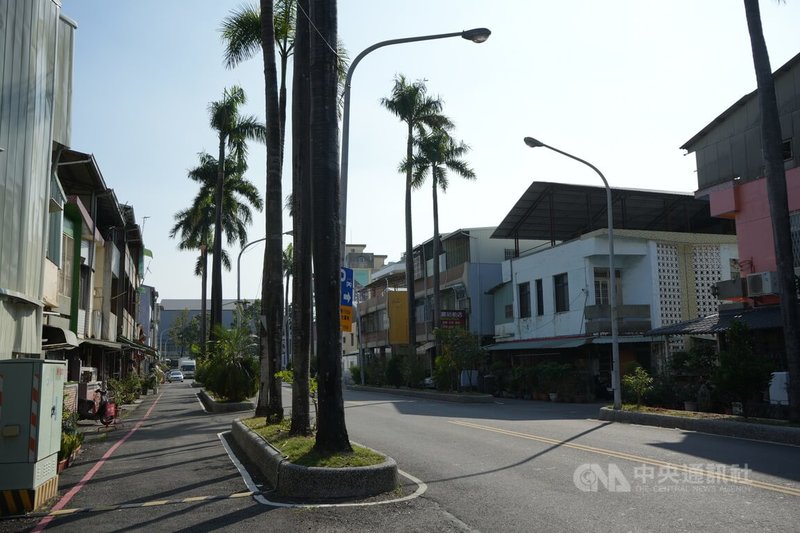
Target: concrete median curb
223, 407
729, 428
313, 483
428, 395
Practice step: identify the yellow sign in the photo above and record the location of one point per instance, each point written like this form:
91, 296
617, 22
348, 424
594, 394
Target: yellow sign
346, 317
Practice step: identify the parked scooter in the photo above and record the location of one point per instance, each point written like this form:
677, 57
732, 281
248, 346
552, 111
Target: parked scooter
98, 408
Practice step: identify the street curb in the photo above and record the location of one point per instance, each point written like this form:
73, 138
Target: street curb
428, 395
223, 407
295, 481
728, 428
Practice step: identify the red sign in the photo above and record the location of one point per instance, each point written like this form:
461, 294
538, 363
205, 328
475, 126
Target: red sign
453, 319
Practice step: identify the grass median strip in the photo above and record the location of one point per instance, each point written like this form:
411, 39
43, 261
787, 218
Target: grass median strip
300, 450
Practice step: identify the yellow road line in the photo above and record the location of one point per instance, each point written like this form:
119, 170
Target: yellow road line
153, 503
635, 458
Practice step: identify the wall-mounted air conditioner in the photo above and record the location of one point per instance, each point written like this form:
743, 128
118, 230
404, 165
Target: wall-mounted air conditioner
762, 283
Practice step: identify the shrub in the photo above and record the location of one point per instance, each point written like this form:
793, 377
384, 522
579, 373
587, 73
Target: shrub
394, 371
742, 374
127, 389
640, 382
231, 371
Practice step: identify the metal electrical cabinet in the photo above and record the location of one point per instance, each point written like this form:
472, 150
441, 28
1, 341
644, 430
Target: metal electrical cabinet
31, 402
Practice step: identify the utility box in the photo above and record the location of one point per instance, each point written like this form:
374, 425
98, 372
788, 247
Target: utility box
31, 399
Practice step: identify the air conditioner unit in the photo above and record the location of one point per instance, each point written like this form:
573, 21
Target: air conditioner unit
762, 283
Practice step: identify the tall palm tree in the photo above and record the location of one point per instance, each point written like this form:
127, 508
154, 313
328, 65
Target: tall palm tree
771, 142
437, 153
195, 224
241, 32
288, 267
301, 216
421, 113
271, 404
331, 429
233, 131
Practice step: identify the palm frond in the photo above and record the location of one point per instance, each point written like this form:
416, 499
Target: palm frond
241, 31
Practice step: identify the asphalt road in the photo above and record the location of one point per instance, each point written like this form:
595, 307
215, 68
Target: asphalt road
510, 466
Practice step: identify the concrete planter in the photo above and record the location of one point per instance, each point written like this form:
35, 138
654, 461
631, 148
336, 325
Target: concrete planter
731, 428
428, 395
224, 407
312, 483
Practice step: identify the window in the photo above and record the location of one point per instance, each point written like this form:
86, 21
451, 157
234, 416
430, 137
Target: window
524, 300
509, 253
539, 298
561, 292
601, 284
794, 227
65, 277
786, 149
509, 311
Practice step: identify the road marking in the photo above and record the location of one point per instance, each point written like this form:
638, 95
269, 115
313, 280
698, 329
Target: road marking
258, 495
90, 474
154, 503
635, 458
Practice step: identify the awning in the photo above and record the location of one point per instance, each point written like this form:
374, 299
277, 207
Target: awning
130, 344
542, 344
422, 348
566, 342
56, 338
103, 343
767, 317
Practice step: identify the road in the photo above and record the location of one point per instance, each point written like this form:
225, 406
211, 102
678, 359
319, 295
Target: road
507, 466
512, 467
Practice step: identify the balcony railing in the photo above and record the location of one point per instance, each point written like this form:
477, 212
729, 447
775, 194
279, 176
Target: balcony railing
630, 318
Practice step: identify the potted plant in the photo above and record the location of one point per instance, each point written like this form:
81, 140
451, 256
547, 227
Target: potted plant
551, 377
688, 394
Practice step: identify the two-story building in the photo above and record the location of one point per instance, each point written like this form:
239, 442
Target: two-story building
553, 301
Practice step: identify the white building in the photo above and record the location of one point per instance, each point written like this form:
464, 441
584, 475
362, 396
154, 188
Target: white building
553, 303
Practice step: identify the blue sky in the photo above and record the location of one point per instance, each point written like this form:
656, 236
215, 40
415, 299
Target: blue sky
620, 83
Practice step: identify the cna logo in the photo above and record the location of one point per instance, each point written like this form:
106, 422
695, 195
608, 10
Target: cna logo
590, 477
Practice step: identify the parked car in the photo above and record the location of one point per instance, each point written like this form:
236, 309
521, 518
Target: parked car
175, 375
429, 383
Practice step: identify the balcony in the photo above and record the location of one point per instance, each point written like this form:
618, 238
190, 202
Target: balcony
630, 319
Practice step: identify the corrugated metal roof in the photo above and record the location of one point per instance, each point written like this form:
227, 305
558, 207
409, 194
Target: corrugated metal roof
560, 212
566, 342
755, 318
741, 102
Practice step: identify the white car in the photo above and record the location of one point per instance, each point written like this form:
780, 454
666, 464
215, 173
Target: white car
175, 375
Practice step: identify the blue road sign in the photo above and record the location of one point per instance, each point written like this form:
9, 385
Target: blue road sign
347, 287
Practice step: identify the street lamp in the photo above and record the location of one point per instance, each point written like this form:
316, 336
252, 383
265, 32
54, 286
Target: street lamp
476, 35
612, 284
239, 270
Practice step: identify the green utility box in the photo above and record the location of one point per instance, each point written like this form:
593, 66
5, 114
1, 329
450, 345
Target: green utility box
31, 400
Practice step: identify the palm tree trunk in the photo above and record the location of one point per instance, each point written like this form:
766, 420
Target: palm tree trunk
216, 264
412, 310
272, 286
437, 250
203, 297
331, 429
771, 141
301, 196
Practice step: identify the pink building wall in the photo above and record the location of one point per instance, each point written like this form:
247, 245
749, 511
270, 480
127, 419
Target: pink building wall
749, 205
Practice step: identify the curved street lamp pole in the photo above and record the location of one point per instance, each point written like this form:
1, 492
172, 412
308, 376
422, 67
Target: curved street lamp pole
476, 35
612, 283
238, 275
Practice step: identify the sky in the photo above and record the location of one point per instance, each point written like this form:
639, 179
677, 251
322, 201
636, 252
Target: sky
620, 83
